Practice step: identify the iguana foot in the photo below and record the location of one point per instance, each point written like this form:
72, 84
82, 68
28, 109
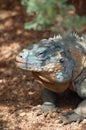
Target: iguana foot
48, 106
70, 117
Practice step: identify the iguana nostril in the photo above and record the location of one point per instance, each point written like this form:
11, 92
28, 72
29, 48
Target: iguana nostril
21, 56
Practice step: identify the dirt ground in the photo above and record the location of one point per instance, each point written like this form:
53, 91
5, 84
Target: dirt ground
20, 94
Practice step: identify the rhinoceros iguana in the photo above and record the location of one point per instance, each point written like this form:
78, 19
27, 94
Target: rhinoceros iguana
58, 63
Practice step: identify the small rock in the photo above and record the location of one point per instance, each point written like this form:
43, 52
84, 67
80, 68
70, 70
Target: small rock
22, 114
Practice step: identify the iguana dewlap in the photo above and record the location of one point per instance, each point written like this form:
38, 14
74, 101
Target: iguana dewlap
57, 63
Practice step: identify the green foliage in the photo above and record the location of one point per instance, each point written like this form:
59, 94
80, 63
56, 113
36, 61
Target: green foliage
52, 14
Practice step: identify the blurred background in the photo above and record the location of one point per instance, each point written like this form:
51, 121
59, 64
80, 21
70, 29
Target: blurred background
57, 15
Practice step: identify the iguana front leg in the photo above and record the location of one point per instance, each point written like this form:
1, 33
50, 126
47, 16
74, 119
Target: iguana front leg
80, 112
49, 99
70, 117
76, 116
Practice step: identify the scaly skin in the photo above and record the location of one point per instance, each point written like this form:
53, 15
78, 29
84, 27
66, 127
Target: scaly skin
56, 63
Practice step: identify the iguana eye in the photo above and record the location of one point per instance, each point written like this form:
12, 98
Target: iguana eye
39, 55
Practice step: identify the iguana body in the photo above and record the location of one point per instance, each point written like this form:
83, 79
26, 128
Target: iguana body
57, 63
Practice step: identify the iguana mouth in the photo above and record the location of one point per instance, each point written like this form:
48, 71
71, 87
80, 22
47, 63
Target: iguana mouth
23, 62
20, 62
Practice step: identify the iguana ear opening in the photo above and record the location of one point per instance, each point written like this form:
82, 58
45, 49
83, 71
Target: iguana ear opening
64, 76
60, 78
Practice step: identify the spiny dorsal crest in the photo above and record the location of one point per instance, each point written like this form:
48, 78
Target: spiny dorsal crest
56, 38
81, 38
74, 35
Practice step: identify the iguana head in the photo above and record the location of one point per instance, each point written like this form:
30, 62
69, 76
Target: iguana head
48, 56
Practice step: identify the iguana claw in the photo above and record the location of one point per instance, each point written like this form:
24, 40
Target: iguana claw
70, 117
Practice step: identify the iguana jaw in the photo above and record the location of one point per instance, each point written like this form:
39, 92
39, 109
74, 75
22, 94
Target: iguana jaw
51, 67
54, 71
